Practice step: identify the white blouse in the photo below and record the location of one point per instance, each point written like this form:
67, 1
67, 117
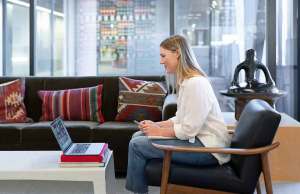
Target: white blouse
199, 115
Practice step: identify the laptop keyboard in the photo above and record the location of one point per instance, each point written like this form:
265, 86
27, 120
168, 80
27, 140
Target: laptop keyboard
81, 148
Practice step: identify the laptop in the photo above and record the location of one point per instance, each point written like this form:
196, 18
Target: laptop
67, 146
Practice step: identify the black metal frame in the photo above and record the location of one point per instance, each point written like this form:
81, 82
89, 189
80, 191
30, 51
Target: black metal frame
172, 17
52, 38
297, 77
32, 40
271, 36
4, 35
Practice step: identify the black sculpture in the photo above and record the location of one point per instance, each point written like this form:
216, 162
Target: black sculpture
251, 66
253, 89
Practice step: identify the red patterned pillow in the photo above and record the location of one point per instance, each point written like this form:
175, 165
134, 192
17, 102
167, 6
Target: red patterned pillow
83, 104
12, 108
139, 100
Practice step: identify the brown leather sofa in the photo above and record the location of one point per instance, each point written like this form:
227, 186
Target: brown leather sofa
38, 135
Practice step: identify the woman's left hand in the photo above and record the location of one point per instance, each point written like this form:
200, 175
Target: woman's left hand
151, 129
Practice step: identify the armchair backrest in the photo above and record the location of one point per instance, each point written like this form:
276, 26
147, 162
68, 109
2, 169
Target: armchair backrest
256, 128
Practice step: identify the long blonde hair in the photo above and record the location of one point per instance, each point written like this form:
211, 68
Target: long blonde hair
187, 66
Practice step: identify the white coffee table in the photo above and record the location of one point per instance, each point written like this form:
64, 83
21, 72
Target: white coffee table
43, 165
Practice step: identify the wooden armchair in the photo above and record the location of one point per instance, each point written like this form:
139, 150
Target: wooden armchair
251, 143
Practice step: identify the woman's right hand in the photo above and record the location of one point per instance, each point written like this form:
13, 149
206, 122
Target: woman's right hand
147, 123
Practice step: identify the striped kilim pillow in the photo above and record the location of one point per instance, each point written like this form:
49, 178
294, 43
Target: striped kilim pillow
80, 104
139, 100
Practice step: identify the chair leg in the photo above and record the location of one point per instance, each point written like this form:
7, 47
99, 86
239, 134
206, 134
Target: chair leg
258, 190
165, 172
266, 172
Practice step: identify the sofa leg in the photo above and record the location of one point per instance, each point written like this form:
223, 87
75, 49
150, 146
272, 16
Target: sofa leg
266, 172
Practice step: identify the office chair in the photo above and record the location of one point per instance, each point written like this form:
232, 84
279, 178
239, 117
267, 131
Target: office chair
251, 143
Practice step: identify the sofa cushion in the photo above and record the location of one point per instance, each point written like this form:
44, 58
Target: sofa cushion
117, 135
10, 133
117, 126
12, 108
139, 100
81, 104
40, 133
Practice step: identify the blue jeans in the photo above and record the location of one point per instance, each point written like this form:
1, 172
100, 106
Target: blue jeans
141, 150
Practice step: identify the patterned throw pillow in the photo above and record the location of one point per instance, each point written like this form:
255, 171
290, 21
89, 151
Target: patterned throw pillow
80, 104
12, 108
139, 100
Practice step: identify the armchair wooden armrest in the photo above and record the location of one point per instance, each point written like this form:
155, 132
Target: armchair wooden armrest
263, 151
236, 151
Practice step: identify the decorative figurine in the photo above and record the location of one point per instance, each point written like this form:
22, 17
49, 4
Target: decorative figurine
253, 88
251, 66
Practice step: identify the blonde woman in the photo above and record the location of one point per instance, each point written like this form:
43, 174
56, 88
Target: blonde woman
198, 119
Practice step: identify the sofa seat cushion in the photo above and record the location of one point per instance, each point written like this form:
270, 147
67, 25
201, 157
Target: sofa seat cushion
117, 135
40, 136
10, 133
114, 125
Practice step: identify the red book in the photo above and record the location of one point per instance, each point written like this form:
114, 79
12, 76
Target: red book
85, 158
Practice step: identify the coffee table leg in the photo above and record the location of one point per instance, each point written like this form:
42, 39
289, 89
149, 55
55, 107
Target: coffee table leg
98, 188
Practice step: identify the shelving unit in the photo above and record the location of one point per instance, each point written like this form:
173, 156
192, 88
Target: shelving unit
125, 34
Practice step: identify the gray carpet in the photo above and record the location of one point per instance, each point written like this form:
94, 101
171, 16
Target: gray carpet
66, 187
58, 187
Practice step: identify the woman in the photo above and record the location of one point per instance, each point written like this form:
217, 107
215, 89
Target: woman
198, 118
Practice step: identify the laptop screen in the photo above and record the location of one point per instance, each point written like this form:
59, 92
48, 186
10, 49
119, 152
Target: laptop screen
61, 134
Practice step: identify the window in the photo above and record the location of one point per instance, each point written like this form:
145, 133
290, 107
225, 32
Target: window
120, 37
17, 38
286, 54
49, 37
220, 31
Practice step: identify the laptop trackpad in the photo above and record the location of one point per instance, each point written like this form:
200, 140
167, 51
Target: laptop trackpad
94, 149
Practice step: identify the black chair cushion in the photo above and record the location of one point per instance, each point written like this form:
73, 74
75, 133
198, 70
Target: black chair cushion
221, 177
257, 126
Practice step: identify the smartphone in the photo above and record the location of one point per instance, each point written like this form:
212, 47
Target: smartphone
136, 122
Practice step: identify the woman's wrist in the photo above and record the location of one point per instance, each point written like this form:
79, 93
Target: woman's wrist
168, 132
165, 124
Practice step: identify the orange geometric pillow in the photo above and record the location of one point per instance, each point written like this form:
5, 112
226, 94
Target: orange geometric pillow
12, 108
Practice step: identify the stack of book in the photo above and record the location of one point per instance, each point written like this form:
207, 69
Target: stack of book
85, 160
